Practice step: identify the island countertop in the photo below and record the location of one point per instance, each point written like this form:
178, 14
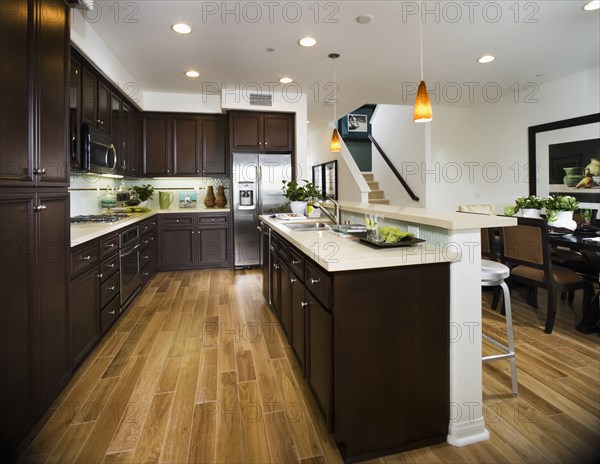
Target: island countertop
334, 253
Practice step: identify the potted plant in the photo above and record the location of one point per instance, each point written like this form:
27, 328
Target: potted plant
530, 206
299, 195
144, 192
559, 209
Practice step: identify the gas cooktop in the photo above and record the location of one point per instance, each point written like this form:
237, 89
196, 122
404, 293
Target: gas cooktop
98, 218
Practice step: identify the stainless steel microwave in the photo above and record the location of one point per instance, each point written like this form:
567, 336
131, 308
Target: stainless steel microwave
98, 153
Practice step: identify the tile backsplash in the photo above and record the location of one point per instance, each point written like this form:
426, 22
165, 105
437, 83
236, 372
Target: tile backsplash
86, 190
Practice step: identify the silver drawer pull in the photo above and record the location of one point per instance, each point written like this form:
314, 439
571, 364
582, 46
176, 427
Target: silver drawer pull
314, 281
146, 257
86, 258
292, 280
146, 274
100, 276
111, 289
111, 265
39, 172
39, 208
304, 304
276, 266
294, 262
112, 313
111, 245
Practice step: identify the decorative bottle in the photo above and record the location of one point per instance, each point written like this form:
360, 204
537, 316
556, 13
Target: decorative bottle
209, 200
221, 200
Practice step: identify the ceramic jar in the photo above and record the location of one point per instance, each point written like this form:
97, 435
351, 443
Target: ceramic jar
573, 176
530, 213
220, 199
209, 200
564, 219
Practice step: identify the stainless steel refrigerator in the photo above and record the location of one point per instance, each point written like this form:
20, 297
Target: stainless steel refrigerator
257, 189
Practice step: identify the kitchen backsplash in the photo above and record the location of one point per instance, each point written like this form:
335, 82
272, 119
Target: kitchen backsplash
86, 190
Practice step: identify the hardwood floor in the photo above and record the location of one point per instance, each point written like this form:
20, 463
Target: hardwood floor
198, 371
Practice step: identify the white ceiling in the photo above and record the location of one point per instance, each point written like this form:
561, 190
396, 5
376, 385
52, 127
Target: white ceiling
547, 40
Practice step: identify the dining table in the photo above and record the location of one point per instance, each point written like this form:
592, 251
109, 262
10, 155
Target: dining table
586, 242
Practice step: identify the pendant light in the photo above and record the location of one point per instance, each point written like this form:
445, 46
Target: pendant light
335, 145
422, 103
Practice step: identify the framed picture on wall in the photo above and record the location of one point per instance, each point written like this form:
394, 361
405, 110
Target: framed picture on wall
358, 123
356, 126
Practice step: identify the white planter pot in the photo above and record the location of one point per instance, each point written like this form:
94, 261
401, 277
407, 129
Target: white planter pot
298, 207
564, 219
530, 213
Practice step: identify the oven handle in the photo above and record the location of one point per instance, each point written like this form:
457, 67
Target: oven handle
132, 250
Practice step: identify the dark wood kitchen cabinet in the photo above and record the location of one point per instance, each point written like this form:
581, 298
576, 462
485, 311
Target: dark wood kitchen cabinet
96, 104
34, 233
195, 241
115, 129
34, 39
186, 145
270, 132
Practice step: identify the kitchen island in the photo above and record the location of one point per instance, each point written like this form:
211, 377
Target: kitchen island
403, 346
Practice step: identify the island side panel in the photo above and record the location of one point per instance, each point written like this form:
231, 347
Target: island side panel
391, 359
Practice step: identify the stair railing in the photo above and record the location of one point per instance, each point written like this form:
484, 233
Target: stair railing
394, 170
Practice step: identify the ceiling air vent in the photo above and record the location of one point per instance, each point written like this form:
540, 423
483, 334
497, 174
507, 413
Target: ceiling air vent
259, 99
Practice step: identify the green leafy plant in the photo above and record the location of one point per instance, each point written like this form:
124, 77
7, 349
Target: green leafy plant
144, 192
530, 202
561, 203
295, 192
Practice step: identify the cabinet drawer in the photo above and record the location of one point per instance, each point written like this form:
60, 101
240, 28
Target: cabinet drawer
297, 263
171, 221
146, 274
109, 245
109, 289
145, 256
109, 267
109, 314
148, 239
205, 219
147, 226
280, 247
318, 283
84, 258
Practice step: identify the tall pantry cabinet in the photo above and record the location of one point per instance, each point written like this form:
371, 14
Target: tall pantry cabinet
34, 211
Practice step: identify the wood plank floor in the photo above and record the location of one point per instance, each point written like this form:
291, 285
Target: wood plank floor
197, 371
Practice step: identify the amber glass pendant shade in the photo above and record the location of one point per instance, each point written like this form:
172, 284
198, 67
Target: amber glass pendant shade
336, 145
422, 104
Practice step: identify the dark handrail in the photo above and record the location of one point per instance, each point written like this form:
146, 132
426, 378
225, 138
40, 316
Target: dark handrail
394, 170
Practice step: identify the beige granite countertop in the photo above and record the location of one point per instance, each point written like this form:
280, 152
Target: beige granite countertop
84, 232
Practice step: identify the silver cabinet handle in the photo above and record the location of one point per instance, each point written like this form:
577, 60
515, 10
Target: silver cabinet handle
111, 289
304, 304
146, 273
86, 258
292, 280
112, 313
276, 266
39, 172
176, 220
111, 245
146, 257
39, 208
100, 276
111, 265
314, 281
294, 262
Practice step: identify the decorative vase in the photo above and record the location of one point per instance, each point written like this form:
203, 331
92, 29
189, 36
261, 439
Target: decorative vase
564, 219
143, 203
209, 200
530, 213
298, 207
220, 200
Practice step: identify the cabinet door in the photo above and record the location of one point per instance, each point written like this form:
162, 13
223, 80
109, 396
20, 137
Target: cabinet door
177, 247
89, 98
134, 137
125, 139
156, 140
16, 288
214, 146
247, 131
52, 61
298, 335
278, 132
285, 300
52, 269
213, 245
84, 315
275, 274
74, 112
115, 129
186, 145
15, 152
319, 365
104, 107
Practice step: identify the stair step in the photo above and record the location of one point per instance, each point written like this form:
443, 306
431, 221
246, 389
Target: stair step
368, 176
380, 201
375, 194
373, 184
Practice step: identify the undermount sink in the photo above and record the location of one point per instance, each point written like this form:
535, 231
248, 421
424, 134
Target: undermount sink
308, 226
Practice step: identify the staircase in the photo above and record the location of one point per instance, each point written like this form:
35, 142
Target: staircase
376, 195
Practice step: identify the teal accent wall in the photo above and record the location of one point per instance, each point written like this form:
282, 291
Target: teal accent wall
361, 152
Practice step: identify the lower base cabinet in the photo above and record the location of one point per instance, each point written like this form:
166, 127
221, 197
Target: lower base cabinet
84, 311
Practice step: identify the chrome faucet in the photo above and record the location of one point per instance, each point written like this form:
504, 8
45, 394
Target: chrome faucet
336, 216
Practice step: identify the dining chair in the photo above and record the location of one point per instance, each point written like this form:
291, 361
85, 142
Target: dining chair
526, 250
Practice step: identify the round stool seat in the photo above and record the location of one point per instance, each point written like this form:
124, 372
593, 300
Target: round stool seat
492, 270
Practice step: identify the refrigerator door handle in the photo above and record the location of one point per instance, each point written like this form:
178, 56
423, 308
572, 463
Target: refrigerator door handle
259, 190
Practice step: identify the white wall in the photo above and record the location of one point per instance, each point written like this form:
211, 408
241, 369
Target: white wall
404, 142
489, 142
182, 102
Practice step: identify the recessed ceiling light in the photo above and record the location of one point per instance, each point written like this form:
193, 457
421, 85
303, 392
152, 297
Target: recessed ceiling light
364, 18
181, 28
285, 80
486, 59
307, 122
307, 42
591, 6
192, 73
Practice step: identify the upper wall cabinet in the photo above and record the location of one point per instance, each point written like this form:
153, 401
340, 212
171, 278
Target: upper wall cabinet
184, 145
96, 103
253, 131
34, 40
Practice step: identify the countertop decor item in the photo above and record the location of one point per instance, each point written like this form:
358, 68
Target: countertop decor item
220, 199
187, 199
145, 192
560, 210
530, 202
210, 199
165, 199
300, 195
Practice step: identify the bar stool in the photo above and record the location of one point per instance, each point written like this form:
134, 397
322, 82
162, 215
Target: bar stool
493, 274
